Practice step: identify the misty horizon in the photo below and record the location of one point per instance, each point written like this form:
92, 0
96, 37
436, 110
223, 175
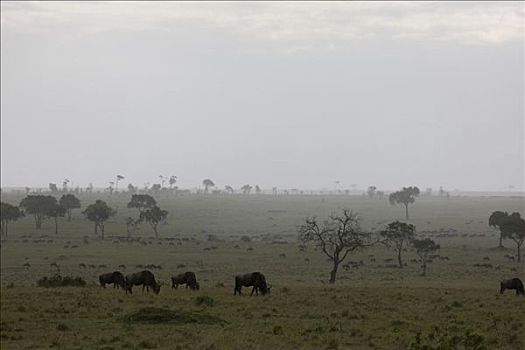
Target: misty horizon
286, 95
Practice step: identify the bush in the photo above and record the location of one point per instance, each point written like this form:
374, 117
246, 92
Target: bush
59, 281
154, 315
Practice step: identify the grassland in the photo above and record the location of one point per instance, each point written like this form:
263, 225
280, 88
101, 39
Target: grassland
376, 306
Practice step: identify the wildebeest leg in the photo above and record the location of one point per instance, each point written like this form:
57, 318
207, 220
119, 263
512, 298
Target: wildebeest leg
254, 289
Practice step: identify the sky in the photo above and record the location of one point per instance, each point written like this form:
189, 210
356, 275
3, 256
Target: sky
285, 94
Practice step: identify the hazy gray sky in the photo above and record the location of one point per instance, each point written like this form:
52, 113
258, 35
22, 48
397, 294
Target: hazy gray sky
276, 94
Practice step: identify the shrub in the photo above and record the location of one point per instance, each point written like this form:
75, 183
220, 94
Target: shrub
154, 315
59, 281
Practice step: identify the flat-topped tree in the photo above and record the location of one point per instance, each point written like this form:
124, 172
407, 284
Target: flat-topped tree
39, 206
55, 212
406, 196
98, 213
399, 235
69, 202
497, 219
142, 202
207, 184
337, 237
246, 189
424, 247
8, 213
513, 228
154, 216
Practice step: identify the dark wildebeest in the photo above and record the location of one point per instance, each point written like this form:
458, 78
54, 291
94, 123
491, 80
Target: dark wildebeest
188, 278
115, 277
146, 278
255, 279
514, 283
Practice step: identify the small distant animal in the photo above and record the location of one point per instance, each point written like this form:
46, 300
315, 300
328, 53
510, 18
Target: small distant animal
27, 265
255, 279
146, 278
91, 266
122, 266
514, 283
282, 255
82, 265
115, 277
188, 278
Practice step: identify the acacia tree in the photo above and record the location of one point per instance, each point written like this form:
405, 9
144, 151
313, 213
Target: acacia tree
142, 202
497, 219
119, 178
229, 189
39, 206
98, 213
258, 189
337, 237
172, 181
246, 189
399, 234
154, 216
514, 228
406, 196
424, 247
371, 191
53, 188
55, 212
207, 183
8, 213
69, 202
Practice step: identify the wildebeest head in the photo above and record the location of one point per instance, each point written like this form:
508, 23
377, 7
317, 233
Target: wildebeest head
156, 288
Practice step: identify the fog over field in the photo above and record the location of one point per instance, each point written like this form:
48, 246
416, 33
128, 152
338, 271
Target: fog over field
293, 95
262, 175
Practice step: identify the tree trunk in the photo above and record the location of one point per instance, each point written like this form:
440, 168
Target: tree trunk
424, 273
406, 210
102, 230
399, 256
155, 230
519, 250
38, 222
96, 228
69, 214
501, 239
56, 225
333, 273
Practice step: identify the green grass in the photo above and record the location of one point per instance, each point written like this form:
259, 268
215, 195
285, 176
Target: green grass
456, 306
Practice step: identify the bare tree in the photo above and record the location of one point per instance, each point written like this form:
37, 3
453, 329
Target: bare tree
337, 237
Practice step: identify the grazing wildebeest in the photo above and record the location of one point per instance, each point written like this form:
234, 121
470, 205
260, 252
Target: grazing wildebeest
255, 279
146, 278
188, 278
115, 277
514, 283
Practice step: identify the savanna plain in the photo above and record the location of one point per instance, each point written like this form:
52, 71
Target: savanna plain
374, 304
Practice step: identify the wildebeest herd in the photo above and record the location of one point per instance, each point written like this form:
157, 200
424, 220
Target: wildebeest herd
256, 280
147, 279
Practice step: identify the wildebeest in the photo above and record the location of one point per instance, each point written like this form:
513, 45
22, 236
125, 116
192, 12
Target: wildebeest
113, 277
255, 279
514, 283
188, 278
146, 278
